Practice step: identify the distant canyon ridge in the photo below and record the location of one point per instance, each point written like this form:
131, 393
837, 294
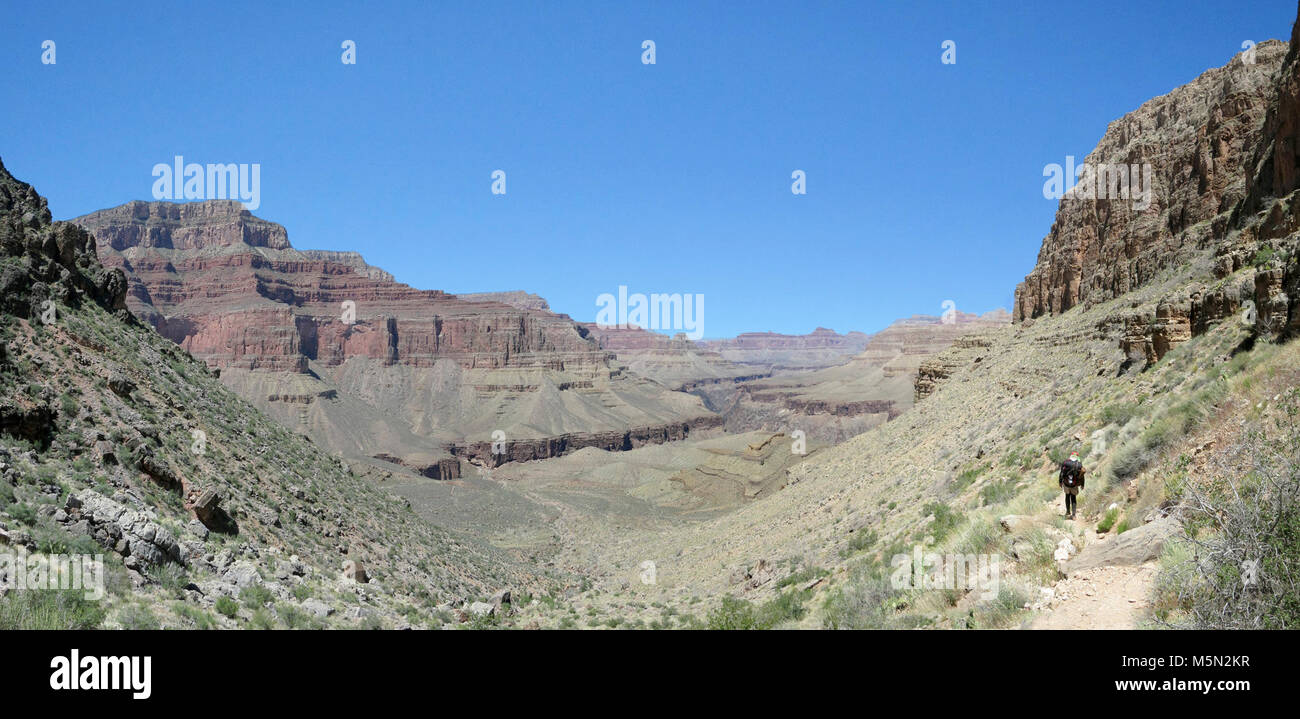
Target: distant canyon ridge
431, 381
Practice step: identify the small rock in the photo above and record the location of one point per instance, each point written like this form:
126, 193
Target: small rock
1012, 521
196, 528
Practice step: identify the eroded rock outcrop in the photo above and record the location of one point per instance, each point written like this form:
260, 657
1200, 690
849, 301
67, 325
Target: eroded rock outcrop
51, 261
133, 533
1198, 140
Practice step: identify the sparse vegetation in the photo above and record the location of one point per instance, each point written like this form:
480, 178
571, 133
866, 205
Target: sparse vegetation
1236, 567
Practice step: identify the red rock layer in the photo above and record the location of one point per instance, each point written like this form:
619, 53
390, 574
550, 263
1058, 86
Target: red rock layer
229, 288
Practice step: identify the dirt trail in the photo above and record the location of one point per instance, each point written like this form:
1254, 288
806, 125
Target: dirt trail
1110, 597
1102, 598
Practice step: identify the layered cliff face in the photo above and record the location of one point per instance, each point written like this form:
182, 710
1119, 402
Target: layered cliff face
1199, 141
517, 298
334, 346
776, 352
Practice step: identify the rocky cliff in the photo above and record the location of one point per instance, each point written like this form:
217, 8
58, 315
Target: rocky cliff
331, 345
1199, 141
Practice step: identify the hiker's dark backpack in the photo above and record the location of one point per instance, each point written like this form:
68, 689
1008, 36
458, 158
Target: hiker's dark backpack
1072, 473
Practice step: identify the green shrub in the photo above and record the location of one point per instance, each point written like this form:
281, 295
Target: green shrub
1119, 413
69, 405
859, 541
945, 519
256, 596
261, 619
137, 617
866, 601
998, 491
22, 512
1107, 521
1130, 460
803, 576
732, 614
49, 609
1001, 611
1242, 527
294, 618
227, 607
786, 607
965, 479
200, 619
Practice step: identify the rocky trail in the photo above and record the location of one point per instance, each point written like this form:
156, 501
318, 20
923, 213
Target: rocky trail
1102, 598
1108, 584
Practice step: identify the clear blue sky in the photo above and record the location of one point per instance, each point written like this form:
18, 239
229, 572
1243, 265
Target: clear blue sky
924, 179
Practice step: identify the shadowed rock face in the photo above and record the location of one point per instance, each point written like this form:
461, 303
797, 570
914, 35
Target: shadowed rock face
324, 341
1199, 140
46, 260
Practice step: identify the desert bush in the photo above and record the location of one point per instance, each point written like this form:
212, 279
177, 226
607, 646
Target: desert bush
734, 613
1001, 611
137, 617
866, 601
860, 541
1118, 413
261, 619
1242, 534
945, 519
998, 491
198, 617
1108, 521
227, 607
49, 609
1130, 460
256, 597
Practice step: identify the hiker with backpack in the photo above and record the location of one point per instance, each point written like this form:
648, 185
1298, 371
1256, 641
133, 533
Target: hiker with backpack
1071, 480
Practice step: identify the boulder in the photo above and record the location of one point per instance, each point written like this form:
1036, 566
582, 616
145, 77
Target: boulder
120, 384
1136, 546
206, 508
1064, 550
242, 574
501, 601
